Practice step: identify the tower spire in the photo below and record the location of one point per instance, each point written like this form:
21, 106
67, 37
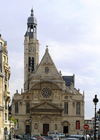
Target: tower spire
32, 12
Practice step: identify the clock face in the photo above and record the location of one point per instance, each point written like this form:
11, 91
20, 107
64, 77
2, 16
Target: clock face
31, 49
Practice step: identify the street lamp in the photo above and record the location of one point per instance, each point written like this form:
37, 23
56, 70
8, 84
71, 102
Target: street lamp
30, 120
95, 100
99, 120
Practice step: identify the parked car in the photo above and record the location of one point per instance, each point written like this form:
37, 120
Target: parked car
36, 135
71, 139
61, 135
80, 137
55, 137
52, 133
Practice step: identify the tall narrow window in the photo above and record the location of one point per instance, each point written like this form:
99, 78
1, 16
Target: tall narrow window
65, 108
77, 124
0, 45
5, 116
29, 62
16, 107
34, 29
27, 107
32, 63
77, 108
5, 76
46, 70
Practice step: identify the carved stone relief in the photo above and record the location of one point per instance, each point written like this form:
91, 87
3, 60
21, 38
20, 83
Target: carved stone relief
45, 119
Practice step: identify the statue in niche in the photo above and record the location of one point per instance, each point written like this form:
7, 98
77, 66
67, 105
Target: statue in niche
35, 96
56, 96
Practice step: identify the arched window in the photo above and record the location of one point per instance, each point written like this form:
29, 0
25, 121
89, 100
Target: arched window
16, 107
27, 107
77, 108
77, 124
65, 108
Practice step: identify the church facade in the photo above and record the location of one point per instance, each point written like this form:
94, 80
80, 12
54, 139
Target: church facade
50, 101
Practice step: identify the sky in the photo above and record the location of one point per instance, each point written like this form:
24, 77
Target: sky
71, 29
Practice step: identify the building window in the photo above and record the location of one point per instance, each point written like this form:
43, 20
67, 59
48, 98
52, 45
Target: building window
65, 108
16, 107
0, 45
66, 97
32, 64
5, 116
77, 108
5, 88
27, 107
5, 76
5, 104
46, 70
77, 124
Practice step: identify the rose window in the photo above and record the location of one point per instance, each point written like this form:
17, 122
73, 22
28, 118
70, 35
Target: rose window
46, 92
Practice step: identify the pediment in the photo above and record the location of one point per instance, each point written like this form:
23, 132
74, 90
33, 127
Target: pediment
46, 106
48, 63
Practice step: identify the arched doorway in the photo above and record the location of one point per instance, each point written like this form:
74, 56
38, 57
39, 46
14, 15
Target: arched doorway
65, 127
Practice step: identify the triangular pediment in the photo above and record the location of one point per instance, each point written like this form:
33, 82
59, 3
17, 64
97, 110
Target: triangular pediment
46, 106
48, 63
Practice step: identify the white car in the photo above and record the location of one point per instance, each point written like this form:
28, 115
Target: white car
72, 139
61, 135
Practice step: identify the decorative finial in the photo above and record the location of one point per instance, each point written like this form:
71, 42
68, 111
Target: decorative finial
46, 47
32, 11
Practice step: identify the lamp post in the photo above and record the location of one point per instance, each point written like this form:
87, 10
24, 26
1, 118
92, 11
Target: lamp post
95, 100
99, 120
30, 120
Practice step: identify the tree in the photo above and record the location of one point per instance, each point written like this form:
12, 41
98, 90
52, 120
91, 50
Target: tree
15, 121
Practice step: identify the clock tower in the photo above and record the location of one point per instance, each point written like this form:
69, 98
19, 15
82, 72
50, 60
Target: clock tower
31, 50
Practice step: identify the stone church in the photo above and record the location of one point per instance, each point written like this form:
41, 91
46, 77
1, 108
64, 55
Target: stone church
50, 101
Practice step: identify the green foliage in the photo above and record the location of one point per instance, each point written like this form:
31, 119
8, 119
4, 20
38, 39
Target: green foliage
15, 121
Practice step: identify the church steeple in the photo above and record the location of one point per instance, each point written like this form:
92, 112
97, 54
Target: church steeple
32, 26
31, 50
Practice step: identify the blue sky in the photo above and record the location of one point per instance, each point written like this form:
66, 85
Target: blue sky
71, 29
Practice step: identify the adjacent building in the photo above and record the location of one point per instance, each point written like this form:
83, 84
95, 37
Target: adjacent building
50, 99
4, 92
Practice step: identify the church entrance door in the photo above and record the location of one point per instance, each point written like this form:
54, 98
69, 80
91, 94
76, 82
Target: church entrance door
65, 129
27, 129
45, 129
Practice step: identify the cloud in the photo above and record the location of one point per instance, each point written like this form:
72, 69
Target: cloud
70, 28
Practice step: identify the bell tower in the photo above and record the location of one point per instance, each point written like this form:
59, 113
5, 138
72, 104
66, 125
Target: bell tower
31, 50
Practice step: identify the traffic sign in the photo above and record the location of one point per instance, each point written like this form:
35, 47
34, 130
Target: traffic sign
86, 126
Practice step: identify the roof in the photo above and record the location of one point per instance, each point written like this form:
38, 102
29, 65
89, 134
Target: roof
68, 80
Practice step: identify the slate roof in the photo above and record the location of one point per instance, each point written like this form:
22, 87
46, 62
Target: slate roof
68, 80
